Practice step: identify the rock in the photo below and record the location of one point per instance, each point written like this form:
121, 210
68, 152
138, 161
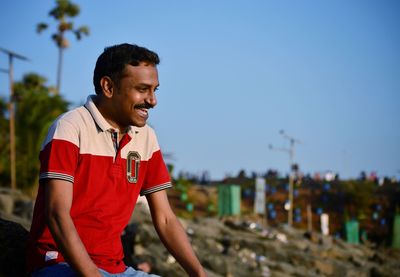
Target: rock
11, 217
226, 247
356, 273
23, 208
339, 253
313, 236
324, 267
6, 203
215, 263
301, 245
358, 261
234, 248
287, 268
13, 238
326, 242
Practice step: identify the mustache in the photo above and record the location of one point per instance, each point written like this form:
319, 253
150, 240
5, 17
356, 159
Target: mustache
144, 106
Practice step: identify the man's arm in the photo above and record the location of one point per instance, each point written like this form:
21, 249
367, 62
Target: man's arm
172, 233
58, 199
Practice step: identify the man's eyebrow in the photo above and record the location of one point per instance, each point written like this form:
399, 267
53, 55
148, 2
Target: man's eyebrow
146, 85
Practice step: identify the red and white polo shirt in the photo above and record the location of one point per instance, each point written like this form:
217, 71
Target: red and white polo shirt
81, 147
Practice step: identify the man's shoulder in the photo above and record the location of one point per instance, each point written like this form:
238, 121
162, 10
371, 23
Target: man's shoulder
73, 113
74, 117
145, 132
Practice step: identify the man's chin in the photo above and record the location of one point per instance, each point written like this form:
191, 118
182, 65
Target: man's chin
139, 123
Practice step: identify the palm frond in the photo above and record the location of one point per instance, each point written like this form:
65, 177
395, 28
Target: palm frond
41, 27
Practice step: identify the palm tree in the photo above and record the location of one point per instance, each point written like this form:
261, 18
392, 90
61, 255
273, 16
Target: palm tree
63, 10
36, 108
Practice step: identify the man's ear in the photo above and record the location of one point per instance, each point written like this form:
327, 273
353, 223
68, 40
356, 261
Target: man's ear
107, 85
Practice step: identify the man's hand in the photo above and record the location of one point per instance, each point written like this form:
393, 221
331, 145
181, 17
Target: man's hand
58, 199
172, 233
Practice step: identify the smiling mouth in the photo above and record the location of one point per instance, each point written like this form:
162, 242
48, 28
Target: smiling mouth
143, 112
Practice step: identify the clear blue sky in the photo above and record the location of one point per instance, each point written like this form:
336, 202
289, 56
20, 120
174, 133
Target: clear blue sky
234, 73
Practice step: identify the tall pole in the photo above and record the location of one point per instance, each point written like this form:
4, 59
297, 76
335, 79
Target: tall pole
11, 110
290, 151
291, 181
59, 66
309, 218
292, 141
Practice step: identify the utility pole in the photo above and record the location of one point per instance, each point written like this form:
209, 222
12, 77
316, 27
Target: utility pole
290, 151
11, 110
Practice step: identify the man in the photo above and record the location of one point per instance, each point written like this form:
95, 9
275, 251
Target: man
95, 162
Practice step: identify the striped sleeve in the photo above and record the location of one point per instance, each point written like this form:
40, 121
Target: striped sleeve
157, 176
59, 156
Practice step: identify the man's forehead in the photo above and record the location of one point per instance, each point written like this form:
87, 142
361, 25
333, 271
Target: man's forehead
140, 65
141, 75
139, 70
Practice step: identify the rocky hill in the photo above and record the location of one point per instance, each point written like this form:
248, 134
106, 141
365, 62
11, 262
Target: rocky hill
226, 247
237, 247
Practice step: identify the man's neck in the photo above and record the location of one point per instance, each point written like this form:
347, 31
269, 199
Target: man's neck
107, 113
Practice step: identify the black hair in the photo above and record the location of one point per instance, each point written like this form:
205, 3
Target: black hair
113, 60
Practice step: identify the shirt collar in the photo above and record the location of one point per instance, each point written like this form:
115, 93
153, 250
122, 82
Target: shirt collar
98, 117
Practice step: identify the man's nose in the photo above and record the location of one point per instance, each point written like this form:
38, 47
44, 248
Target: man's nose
151, 98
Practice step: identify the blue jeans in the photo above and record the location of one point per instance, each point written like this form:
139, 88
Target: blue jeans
64, 270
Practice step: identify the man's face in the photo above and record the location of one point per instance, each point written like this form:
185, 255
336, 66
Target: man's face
134, 95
